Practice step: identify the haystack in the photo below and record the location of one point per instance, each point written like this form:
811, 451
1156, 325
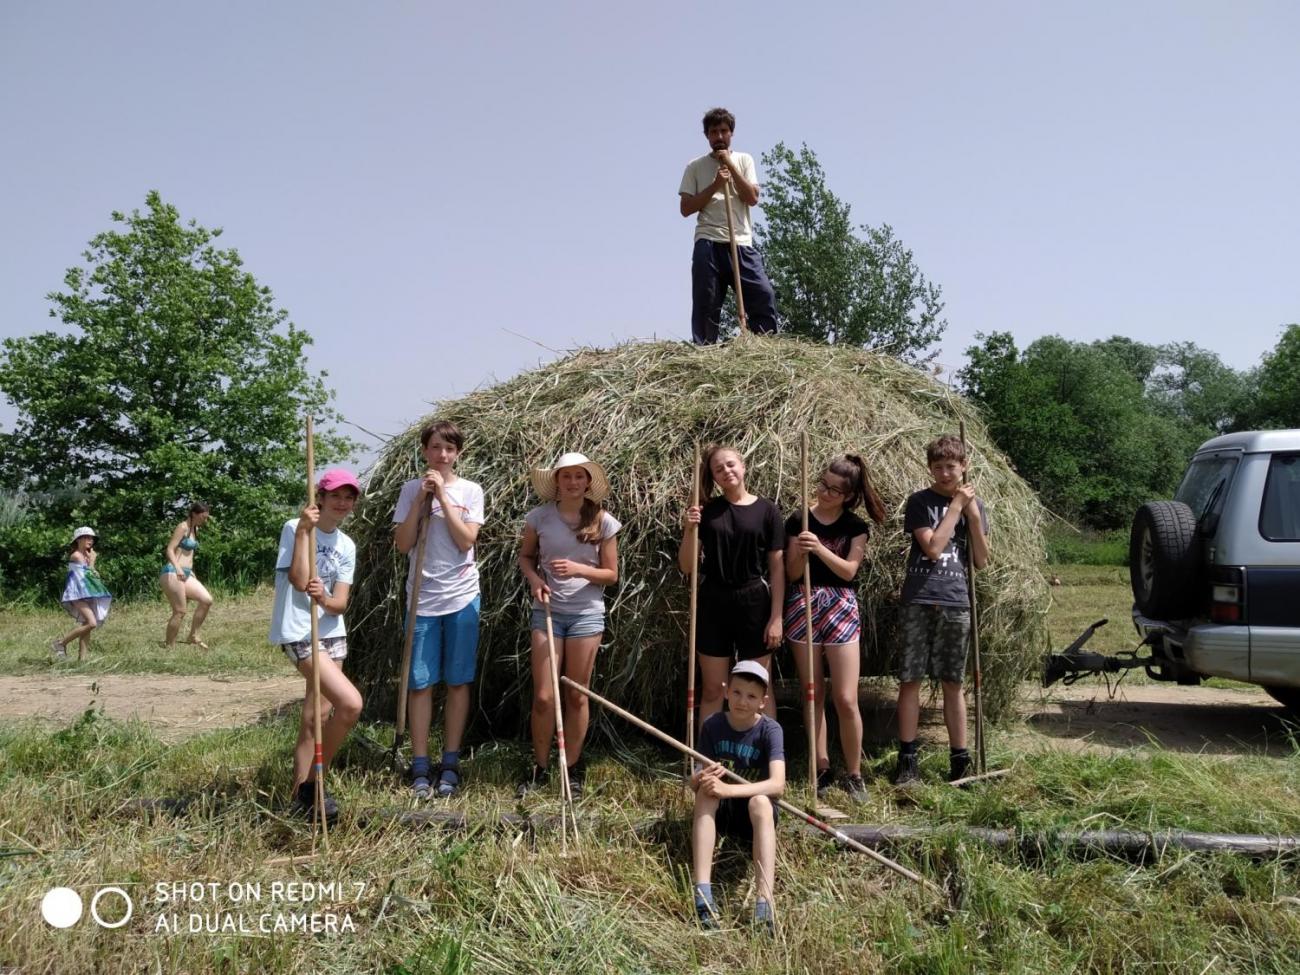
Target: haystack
638, 409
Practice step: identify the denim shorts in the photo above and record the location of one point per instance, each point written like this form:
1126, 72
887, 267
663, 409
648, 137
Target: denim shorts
445, 648
564, 625
334, 647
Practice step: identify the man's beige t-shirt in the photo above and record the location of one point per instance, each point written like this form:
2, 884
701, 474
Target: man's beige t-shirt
711, 224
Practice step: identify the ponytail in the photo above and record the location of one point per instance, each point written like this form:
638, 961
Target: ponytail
853, 469
589, 522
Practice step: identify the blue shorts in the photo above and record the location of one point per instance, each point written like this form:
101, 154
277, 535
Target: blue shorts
570, 624
445, 648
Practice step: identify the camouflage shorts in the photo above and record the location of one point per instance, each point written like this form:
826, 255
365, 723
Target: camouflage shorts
934, 642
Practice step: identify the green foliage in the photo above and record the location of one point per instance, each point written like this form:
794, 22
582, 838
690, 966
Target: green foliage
178, 380
1277, 402
1100, 428
1065, 547
836, 283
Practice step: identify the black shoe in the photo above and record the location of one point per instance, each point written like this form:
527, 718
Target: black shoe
706, 915
305, 802
856, 788
577, 779
958, 766
536, 779
824, 781
908, 770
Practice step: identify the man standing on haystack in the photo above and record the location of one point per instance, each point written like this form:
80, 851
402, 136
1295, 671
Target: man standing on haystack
704, 191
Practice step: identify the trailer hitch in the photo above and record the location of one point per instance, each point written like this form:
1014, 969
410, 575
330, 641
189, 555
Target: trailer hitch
1074, 663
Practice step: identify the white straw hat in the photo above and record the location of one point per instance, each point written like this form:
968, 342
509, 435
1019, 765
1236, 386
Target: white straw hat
544, 477
82, 532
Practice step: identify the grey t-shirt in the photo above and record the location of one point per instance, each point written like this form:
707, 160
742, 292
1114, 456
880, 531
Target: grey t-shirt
941, 583
557, 540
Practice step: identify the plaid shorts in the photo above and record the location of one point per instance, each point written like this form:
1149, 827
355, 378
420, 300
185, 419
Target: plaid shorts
934, 642
335, 647
835, 615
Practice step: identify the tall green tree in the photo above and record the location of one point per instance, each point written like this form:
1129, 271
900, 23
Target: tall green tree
177, 379
835, 282
1277, 385
1076, 421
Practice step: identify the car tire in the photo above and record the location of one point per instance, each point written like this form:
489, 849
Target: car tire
1164, 561
1289, 697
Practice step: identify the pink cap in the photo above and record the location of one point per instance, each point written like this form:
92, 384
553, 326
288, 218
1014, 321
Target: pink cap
337, 477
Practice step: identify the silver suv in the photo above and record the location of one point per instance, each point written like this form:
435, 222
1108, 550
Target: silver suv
1216, 571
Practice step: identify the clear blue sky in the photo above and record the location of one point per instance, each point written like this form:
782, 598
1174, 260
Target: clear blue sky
432, 191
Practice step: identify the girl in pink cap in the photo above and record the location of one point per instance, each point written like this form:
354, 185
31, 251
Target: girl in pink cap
328, 583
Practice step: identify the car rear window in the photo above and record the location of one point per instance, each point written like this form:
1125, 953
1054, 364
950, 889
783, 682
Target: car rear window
1279, 515
1206, 482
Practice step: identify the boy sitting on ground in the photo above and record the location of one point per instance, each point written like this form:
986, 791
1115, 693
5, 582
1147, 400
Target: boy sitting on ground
747, 742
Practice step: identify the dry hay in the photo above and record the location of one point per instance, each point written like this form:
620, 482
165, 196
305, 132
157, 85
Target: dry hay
637, 409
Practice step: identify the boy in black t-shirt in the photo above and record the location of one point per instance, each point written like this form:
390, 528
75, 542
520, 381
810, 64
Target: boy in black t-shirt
747, 742
941, 520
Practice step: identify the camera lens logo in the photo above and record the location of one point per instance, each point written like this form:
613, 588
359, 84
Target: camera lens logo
62, 907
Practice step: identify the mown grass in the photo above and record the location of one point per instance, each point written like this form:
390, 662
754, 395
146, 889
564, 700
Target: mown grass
129, 641
503, 899
499, 900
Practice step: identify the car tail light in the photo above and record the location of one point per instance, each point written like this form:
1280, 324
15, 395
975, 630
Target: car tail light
1228, 595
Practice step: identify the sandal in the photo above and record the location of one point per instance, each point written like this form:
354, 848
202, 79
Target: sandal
198, 643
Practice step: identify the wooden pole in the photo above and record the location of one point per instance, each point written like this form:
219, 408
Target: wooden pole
318, 814
980, 765
408, 641
566, 791
808, 818
695, 597
735, 263
810, 682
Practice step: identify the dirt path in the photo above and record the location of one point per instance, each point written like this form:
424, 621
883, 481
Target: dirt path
1081, 718
175, 706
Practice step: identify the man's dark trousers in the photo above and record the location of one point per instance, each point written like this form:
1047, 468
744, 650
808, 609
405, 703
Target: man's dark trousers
711, 275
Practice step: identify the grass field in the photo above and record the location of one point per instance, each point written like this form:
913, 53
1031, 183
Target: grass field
502, 898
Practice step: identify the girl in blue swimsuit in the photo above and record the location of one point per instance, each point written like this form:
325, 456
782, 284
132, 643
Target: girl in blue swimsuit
179, 583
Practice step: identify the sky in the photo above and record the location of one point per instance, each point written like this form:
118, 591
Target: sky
443, 195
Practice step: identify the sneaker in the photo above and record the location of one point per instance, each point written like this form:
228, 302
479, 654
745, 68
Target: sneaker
706, 915
421, 784
856, 788
763, 919
577, 779
59, 650
536, 779
908, 770
448, 781
824, 781
305, 802
958, 766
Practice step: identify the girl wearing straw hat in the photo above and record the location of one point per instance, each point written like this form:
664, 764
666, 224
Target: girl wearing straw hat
569, 554
84, 595
742, 551
832, 549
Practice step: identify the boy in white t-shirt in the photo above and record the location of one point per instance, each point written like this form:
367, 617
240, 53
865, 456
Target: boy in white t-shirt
446, 590
328, 583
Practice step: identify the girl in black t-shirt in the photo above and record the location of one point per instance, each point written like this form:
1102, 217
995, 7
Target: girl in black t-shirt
742, 582
832, 550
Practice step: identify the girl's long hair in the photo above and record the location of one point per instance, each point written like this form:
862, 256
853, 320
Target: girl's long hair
589, 517
853, 469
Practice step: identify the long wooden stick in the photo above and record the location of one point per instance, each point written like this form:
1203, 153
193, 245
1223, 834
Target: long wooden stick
318, 810
408, 641
980, 765
695, 598
733, 777
735, 263
810, 682
566, 790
